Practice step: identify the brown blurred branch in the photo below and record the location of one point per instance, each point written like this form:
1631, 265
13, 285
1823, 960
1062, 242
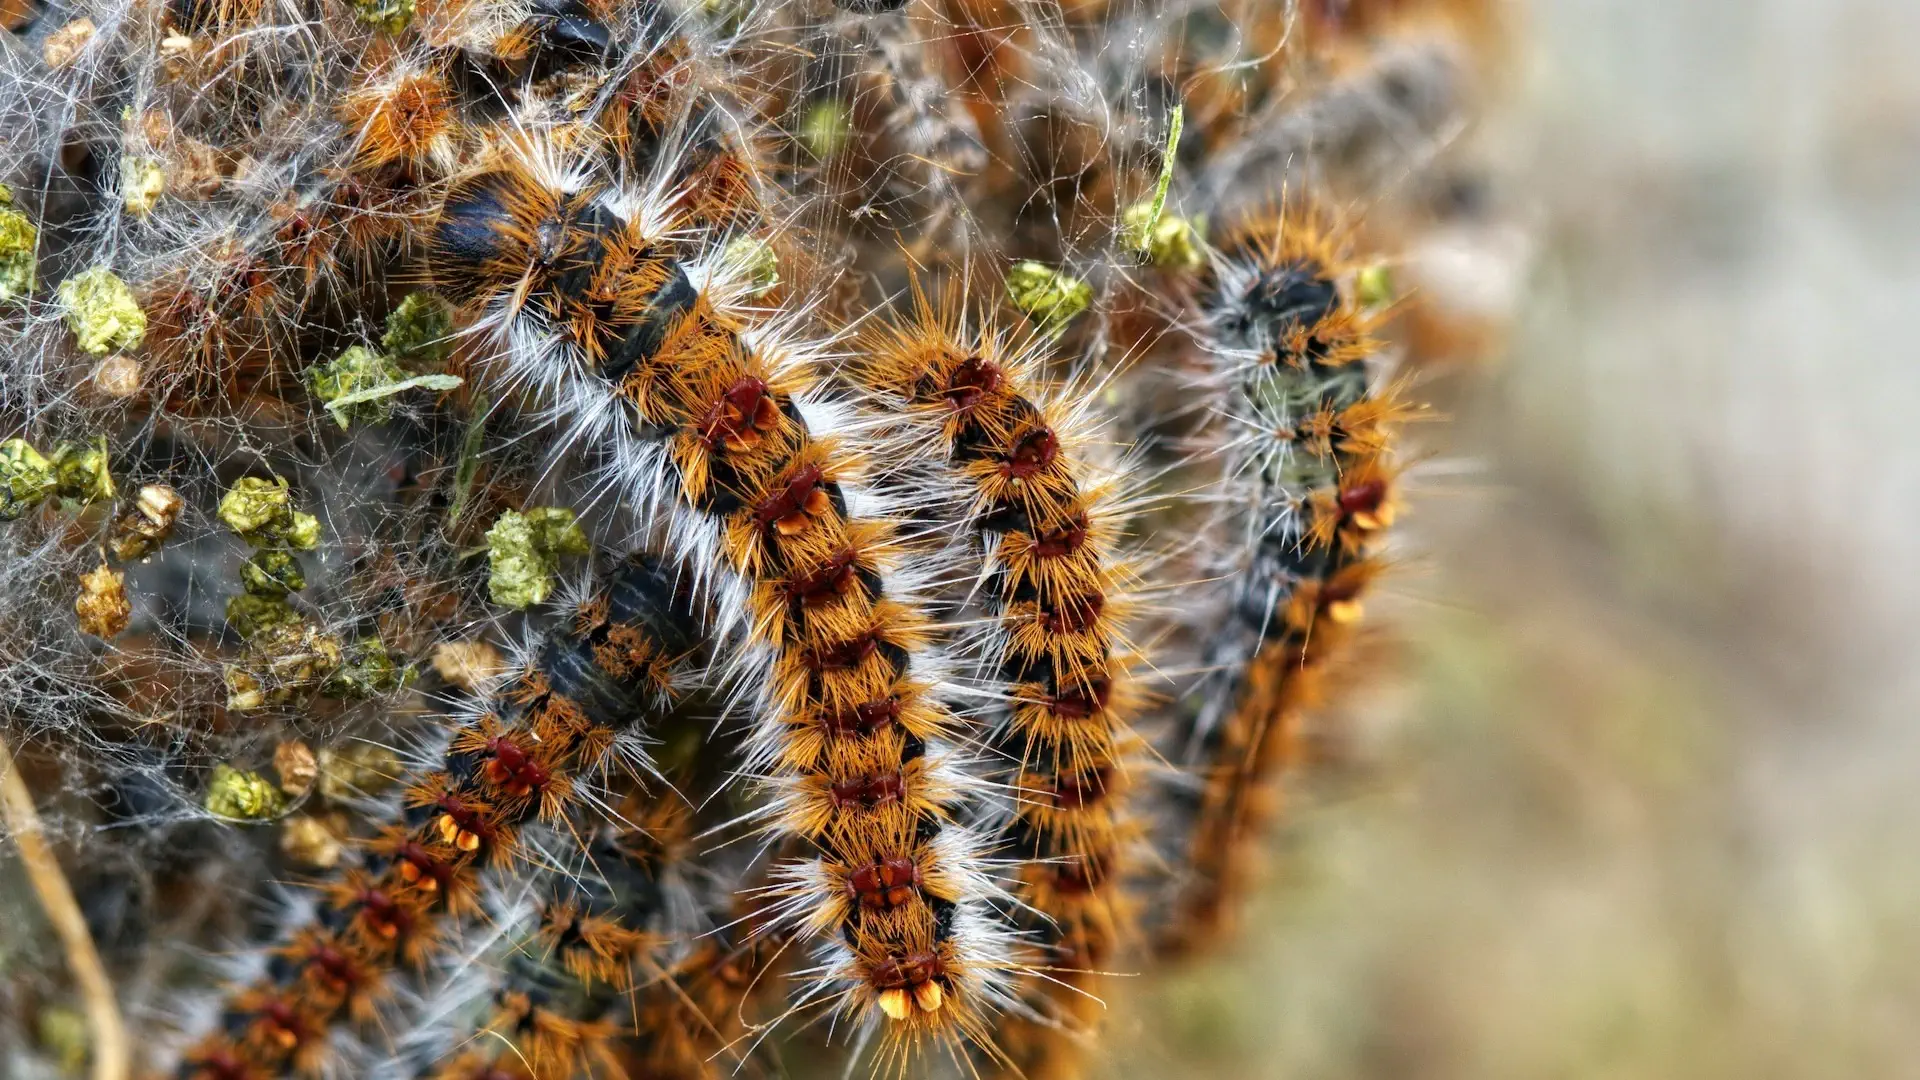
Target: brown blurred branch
56, 899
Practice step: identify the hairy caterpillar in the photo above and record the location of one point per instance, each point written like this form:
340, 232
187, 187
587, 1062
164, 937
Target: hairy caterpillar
1308, 484
1049, 518
711, 414
630, 957
530, 756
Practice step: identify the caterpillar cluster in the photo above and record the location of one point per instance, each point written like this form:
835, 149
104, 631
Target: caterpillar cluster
531, 756
333, 333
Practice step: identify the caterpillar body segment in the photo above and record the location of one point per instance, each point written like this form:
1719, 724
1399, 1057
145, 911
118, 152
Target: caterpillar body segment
705, 414
532, 1016
531, 754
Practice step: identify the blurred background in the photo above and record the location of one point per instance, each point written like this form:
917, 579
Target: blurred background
1646, 802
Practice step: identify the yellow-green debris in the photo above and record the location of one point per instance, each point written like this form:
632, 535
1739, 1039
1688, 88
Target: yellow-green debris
826, 128
142, 182
387, 16
420, 331
524, 551
755, 258
272, 572
239, 795
1051, 297
102, 312
81, 472
369, 668
1165, 241
261, 512
27, 478
1373, 286
18, 239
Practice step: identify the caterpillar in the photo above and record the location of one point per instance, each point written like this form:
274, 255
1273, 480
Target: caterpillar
632, 955
712, 416
629, 962
1048, 518
530, 755
1308, 485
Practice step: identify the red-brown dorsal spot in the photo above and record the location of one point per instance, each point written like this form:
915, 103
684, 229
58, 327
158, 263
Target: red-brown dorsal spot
843, 656
334, 966
863, 720
281, 1021
1031, 453
419, 866
830, 580
869, 792
512, 769
1364, 497
740, 416
1074, 614
787, 509
1061, 542
889, 883
975, 378
1071, 791
1080, 702
463, 824
898, 973
1339, 591
387, 919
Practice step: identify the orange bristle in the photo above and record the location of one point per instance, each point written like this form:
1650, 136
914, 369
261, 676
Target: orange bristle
402, 115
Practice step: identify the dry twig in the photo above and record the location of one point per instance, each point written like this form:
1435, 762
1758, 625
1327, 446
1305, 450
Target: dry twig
56, 899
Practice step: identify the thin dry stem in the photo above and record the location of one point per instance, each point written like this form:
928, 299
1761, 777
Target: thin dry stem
56, 899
